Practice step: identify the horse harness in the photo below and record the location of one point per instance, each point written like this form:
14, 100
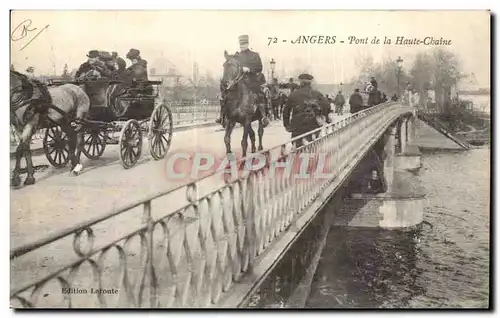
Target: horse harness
35, 96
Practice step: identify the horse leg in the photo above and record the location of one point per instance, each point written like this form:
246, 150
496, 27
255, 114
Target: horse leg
227, 136
251, 133
16, 180
66, 127
244, 139
24, 149
260, 132
78, 151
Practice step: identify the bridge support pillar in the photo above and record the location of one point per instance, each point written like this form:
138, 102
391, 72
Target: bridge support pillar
409, 156
402, 205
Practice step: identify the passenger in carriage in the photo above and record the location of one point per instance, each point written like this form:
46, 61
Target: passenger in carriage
87, 66
120, 64
106, 65
93, 68
138, 71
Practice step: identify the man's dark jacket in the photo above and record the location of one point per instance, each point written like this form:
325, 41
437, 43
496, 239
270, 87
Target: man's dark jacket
305, 104
356, 102
252, 60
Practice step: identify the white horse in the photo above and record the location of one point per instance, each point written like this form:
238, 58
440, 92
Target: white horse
55, 106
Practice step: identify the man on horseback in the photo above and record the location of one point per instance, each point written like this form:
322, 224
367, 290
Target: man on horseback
373, 93
306, 105
252, 67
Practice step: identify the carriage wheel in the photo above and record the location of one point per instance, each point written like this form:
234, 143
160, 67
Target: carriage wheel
160, 131
130, 143
94, 143
56, 146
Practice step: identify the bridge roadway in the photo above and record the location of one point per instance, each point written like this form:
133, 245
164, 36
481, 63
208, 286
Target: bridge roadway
59, 200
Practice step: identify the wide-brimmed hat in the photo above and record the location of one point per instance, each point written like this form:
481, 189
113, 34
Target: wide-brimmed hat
133, 53
243, 39
306, 77
93, 54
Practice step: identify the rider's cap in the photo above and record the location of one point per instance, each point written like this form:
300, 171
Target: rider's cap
243, 39
93, 54
306, 77
133, 53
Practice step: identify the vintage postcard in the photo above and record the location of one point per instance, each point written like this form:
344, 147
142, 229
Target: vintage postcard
259, 159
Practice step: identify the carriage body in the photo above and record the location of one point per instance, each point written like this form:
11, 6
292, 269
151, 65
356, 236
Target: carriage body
115, 106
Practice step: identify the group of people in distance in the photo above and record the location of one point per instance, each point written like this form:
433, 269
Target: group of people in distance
102, 64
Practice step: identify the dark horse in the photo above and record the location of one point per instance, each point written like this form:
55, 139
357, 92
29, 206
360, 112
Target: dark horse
240, 105
33, 106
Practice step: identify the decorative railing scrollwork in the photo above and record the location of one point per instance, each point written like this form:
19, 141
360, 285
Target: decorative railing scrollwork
190, 246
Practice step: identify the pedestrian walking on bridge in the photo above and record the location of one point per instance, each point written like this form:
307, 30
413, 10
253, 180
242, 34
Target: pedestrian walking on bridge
306, 105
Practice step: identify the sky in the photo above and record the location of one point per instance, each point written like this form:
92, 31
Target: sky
185, 37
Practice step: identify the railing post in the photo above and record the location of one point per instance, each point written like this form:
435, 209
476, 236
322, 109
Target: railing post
149, 262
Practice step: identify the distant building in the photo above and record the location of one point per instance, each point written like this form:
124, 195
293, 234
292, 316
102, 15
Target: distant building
163, 70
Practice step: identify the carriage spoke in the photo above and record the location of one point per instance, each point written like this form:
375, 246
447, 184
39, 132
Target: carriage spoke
56, 145
65, 154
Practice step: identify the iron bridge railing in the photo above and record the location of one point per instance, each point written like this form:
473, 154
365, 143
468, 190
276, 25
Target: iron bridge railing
197, 245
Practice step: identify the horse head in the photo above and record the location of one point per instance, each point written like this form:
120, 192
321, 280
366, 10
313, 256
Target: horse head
232, 71
369, 88
19, 86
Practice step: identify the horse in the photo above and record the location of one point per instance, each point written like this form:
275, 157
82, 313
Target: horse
240, 105
53, 107
374, 95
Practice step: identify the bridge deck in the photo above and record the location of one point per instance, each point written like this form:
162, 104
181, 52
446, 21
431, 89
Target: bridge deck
59, 200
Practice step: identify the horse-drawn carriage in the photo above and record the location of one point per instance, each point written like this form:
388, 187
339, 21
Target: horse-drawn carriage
116, 106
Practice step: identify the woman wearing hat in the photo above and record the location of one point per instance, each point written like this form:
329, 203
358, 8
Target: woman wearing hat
138, 71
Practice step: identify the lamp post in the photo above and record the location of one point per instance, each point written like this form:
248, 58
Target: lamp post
399, 64
273, 66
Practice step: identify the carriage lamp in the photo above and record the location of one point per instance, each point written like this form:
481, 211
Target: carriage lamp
399, 64
273, 65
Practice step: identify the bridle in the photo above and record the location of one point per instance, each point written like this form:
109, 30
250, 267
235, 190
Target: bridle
238, 77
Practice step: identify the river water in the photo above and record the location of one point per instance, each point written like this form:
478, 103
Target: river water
445, 264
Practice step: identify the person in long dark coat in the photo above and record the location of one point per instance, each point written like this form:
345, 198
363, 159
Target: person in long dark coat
356, 101
306, 105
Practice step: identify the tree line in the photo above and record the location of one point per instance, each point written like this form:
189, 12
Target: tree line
438, 70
